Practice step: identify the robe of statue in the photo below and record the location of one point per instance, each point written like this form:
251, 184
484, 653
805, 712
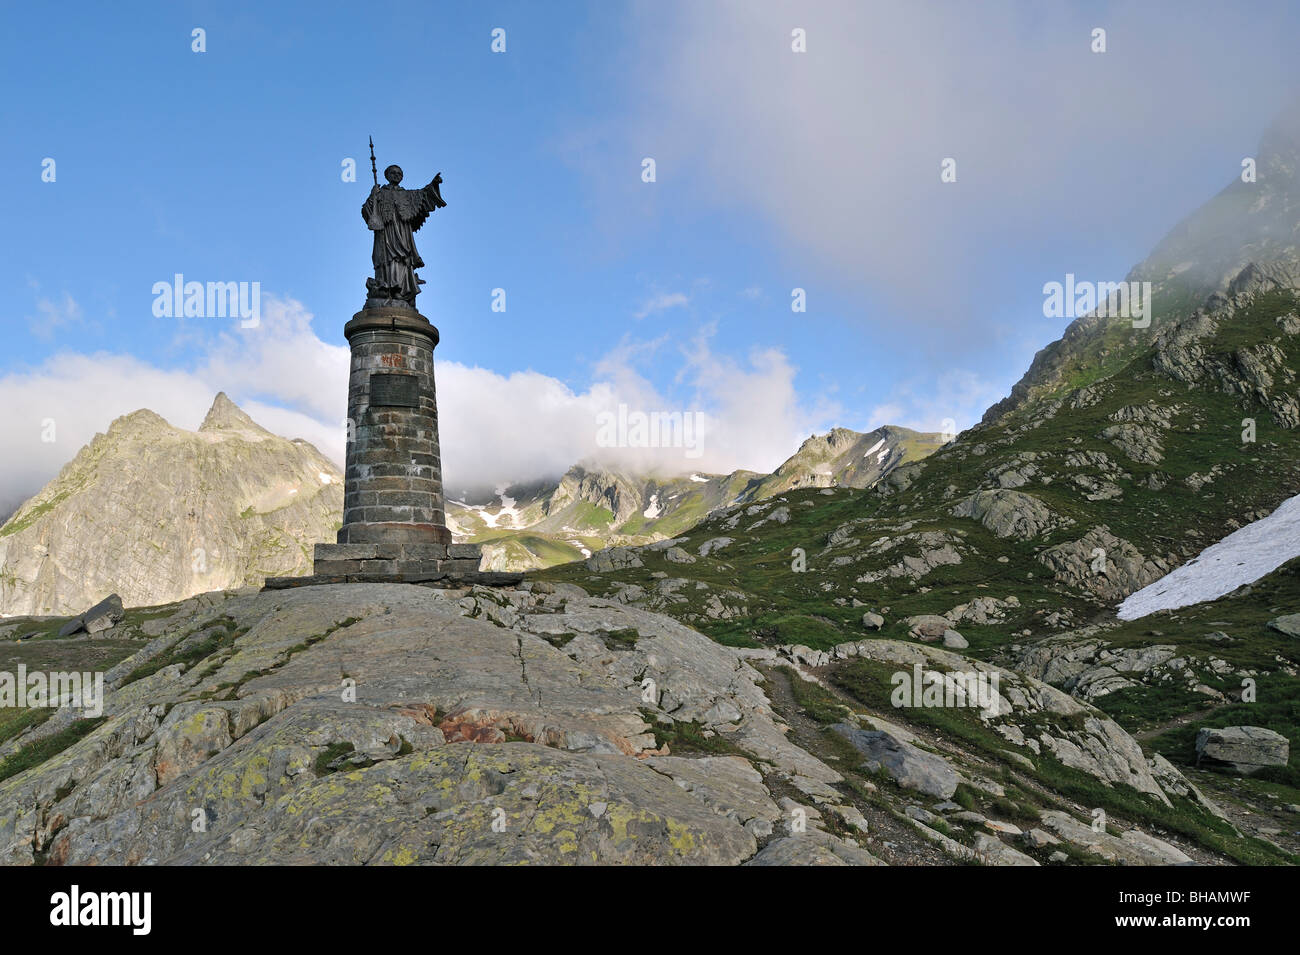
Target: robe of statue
394, 214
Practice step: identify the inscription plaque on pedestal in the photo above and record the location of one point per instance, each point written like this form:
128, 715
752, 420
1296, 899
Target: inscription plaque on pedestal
394, 391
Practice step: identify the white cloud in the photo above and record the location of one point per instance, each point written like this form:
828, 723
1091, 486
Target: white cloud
76, 396
838, 149
662, 302
495, 427
925, 404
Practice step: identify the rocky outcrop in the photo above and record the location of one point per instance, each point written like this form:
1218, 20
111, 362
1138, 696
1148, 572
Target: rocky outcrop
1032, 716
928, 550
1132, 847
1102, 564
1083, 664
393, 724
1010, 513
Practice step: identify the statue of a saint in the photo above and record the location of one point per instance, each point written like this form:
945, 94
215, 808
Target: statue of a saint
394, 214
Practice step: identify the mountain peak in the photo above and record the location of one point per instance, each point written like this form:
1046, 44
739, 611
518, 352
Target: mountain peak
225, 415
140, 420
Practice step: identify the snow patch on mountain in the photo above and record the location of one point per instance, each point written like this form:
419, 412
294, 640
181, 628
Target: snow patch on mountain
1243, 557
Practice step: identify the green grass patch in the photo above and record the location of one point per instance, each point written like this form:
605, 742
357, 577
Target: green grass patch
33, 754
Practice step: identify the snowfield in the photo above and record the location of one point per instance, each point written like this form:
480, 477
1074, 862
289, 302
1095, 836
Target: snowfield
1242, 557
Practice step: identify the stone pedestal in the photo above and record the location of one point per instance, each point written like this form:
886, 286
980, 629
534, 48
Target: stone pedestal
394, 523
393, 477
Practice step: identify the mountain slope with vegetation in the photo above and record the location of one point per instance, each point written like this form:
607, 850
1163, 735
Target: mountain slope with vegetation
1121, 455
592, 507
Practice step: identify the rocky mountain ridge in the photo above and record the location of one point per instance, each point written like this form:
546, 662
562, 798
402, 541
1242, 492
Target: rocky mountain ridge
592, 507
155, 513
1246, 238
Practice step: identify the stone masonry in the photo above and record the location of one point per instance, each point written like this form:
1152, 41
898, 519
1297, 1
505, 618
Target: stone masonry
394, 523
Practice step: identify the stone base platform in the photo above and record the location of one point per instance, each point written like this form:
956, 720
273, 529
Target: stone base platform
443, 578
397, 562
395, 558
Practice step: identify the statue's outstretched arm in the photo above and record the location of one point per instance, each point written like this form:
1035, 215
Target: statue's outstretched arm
434, 191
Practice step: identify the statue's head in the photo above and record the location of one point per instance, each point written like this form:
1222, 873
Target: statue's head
393, 174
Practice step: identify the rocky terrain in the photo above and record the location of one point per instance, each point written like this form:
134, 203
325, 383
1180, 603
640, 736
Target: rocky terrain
592, 507
396, 724
155, 513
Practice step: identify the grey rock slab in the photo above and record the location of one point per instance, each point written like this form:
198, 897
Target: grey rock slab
1241, 749
1288, 624
910, 767
729, 785
812, 848
1131, 848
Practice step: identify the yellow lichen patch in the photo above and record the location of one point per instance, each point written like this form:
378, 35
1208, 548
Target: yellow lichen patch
400, 856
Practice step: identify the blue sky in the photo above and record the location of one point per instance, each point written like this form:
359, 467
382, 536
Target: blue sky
775, 170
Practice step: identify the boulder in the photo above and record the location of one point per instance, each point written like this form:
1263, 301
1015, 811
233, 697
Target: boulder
1288, 624
927, 627
954, 640
907, 765
613, 558
1241, 749
872, 621
1107, 566
103, 616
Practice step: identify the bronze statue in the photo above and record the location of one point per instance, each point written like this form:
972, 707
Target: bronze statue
394, 214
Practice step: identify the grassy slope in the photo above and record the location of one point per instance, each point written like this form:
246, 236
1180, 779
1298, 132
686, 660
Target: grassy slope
1173, 521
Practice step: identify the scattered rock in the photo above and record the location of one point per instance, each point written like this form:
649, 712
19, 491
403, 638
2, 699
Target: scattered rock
1241, 749
1289, 624
954, 640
